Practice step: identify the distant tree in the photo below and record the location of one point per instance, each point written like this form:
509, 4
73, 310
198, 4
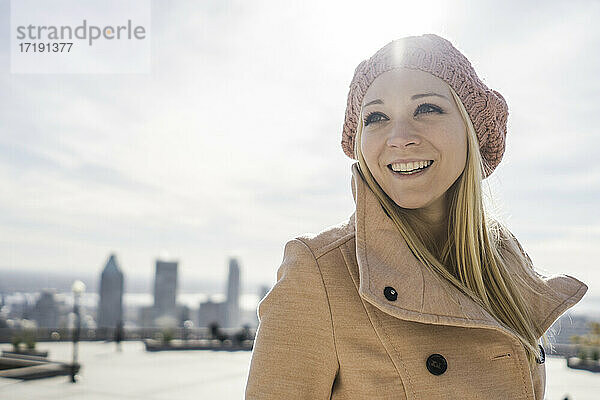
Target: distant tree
167, 335
16, 340
575, 339
595, 328
215, 332
588, 345
242, 335
29, 339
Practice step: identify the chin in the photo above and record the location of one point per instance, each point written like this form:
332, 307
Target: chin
411, 205
408, 206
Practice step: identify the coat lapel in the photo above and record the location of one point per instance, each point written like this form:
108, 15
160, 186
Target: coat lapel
384, 259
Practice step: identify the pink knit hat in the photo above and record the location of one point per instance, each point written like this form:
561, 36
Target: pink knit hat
486, 107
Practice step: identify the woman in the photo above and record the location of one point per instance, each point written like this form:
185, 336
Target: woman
419, 294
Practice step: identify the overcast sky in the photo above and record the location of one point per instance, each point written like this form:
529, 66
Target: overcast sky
231, 146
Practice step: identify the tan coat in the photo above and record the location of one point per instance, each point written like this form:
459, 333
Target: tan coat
354, 315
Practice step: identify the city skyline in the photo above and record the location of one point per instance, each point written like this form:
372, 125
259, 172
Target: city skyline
51, 309
139, 288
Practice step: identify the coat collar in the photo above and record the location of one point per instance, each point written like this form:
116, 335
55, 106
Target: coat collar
384, 259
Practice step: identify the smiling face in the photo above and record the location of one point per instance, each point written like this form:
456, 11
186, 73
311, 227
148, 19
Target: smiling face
410, 116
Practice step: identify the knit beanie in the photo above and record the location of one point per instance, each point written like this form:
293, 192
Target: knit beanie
431, 53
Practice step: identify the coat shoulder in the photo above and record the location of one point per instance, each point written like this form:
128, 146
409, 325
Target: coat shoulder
329, 238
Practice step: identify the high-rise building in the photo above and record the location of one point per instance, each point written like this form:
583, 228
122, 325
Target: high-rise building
233, 294
165, 289
211, 312
110, 304
46, 310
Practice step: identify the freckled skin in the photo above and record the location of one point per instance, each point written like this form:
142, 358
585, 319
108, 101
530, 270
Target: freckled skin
399, 133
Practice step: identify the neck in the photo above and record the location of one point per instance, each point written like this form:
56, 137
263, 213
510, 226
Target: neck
435, 216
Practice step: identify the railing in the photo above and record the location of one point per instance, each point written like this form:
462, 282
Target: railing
103, 334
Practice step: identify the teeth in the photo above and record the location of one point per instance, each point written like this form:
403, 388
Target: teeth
405, 167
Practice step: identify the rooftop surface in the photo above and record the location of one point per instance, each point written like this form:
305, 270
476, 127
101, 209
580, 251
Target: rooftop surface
135, 374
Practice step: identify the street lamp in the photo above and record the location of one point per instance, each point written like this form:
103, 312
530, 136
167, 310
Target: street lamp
187, 327
78, 288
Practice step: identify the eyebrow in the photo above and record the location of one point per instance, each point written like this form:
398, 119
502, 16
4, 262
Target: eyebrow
416, 96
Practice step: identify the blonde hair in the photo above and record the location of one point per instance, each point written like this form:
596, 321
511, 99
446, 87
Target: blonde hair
474, 257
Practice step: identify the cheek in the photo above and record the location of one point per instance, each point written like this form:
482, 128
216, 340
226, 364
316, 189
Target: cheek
453, 147
370, 148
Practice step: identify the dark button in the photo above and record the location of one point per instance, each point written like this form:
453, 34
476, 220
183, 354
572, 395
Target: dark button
390, 293
543, 355
436, 364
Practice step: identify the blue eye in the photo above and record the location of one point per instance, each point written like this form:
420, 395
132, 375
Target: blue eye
372, 118
428, 106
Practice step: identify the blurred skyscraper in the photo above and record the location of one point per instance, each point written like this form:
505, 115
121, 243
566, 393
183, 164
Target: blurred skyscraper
46, 310
210, 312
165, 289
233, 294
110, 304
226, 314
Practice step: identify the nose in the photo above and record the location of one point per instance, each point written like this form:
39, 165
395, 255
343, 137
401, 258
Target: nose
401, 135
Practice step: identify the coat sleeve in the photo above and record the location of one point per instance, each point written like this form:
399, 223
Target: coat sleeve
294, 355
